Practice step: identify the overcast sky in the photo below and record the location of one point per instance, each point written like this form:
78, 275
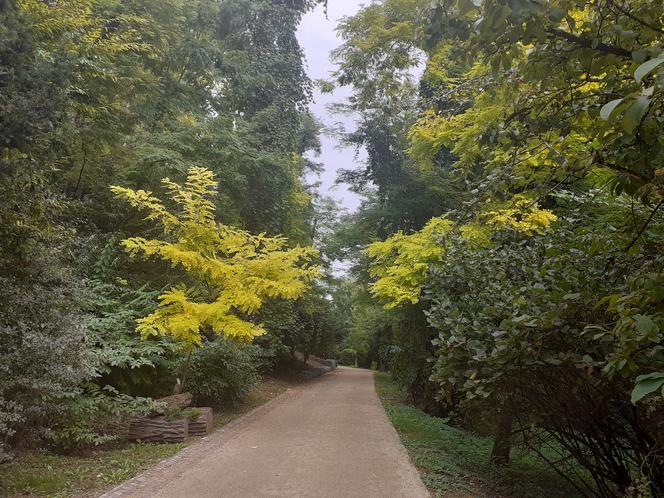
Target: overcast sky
317, 38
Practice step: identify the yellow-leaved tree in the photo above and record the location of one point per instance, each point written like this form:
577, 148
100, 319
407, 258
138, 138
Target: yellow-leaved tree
401, 262
234, 271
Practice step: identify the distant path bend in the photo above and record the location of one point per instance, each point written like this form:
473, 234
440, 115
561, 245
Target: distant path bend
328, 438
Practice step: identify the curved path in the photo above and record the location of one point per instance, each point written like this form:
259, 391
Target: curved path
326, 438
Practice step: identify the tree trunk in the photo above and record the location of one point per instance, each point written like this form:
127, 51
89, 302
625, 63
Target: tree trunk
172, 403
502, 443
180, 385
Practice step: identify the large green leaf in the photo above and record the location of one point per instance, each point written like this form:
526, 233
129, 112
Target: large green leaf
634, 113
647, 67
608, 108
645, 384
644, 324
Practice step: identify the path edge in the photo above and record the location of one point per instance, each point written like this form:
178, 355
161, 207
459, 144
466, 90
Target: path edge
125, 488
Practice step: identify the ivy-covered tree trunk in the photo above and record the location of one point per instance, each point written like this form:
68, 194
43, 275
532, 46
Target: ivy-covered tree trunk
502, 443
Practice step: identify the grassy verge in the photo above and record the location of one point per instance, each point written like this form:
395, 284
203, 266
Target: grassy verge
45, 474
60, 476
454, 463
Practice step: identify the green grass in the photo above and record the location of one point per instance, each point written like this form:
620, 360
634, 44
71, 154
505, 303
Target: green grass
61, 476
454, 463
44, 474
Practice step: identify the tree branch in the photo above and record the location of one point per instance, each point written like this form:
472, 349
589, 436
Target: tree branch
645, 225
623, 170
584, 42
626, 12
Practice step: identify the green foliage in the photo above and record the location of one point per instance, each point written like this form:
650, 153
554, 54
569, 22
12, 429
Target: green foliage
104, 92
43, 357
222, 371
535, 134
645, 384
308, 325
452, 460
95, 417
378, 53
348, 357
113, 307
546, 125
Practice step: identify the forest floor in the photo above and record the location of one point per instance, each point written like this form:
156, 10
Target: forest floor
38, 474
453, 463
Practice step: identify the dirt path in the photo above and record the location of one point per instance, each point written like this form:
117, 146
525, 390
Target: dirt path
328, 438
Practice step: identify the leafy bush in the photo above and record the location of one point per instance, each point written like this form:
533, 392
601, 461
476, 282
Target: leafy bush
348, 357
121, 358
410, 358
519, 326
95, 417
221, 371
43, 357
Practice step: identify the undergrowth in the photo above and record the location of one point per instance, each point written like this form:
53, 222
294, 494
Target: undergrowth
454, 462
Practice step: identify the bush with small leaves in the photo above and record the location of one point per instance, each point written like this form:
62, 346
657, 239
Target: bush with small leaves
221, 371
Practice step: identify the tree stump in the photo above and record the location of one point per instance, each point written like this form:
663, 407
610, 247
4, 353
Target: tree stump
202, 424
158, 430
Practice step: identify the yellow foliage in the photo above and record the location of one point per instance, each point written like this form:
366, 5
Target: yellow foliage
236, 270
476, 232
401, 262
521, 214
83, 31
459, 132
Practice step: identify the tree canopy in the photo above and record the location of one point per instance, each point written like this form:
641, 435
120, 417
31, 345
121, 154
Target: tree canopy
235, 269
505, 264
527, 282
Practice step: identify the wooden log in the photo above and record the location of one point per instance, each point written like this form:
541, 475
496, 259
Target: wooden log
201, 425
158, 430
172, 403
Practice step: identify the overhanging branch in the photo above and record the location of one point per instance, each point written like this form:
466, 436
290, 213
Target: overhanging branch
584, 42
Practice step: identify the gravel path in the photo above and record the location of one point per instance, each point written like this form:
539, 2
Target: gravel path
326, 438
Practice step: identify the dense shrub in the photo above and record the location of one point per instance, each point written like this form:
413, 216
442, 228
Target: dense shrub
348, 357
43, 357
61, 339
410, 357
121, 358
520, 326
96, 416
221, 371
